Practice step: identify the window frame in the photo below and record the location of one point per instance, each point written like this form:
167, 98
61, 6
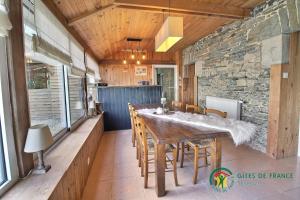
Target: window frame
78, 122
11, 165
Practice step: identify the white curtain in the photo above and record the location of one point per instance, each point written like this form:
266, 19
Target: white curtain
93, 65
77, 54
5, 24
50, 29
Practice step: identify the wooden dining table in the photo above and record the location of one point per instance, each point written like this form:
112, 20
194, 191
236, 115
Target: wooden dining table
170, 132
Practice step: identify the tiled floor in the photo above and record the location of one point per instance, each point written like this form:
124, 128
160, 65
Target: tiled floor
115, 175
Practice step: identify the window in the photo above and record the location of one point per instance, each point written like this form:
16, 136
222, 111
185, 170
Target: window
46, 95
91, 88
3, 176
76, 97
8, 163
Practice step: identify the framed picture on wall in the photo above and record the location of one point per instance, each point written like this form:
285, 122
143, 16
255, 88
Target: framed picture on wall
141, 70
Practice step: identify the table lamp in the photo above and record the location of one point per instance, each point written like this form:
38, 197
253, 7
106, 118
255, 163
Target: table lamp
39, 138
92, 107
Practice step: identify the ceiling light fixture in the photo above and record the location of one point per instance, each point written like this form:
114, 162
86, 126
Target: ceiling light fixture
132, 56
170, 33
144, 56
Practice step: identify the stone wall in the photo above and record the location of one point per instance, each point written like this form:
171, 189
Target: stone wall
234, 62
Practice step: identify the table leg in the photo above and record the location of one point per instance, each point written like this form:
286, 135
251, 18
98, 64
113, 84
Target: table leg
160, 159
216, 153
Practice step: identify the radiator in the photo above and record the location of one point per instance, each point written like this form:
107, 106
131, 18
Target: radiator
232, 107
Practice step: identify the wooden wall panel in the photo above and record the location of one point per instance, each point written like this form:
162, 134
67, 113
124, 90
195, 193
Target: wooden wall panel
123, 75
18, 87
72, 184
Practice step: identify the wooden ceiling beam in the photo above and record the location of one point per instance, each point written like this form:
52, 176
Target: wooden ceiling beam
54, 9
84, 16
129, 62
186, 7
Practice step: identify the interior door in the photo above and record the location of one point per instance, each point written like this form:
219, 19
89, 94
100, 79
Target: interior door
189, 86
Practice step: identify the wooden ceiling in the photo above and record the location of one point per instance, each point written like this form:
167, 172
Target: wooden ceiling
104, 24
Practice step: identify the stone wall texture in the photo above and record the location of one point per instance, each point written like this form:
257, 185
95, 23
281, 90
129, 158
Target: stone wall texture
234, 62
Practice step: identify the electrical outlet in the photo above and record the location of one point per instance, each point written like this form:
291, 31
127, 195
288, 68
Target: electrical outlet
88, 161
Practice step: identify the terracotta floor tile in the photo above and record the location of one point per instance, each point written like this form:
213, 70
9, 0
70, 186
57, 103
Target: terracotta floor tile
115, 174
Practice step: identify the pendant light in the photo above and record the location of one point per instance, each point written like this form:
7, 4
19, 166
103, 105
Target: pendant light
169, 34
5, 24
124, 59
132, 56
144, 56
138, 62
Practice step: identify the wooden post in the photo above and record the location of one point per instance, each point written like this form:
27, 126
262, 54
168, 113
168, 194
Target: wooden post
160, 159
283, 131
18, 86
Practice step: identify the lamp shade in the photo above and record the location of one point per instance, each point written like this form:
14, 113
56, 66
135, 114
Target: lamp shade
92, 104
169, 34
5, 24
38, 138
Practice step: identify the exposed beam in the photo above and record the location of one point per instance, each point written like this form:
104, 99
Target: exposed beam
143, 62
54, 9
185, 7
90, 14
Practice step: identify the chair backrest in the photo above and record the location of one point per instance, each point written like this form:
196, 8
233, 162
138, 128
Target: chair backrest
176, 104
140, 128
216, 112
131, 109
192, 108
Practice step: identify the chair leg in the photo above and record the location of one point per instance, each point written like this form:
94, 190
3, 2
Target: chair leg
196, 157
205, 157
137, 151
139, 154
182, 154
175, 155
142, 162
133, 138
177, 148
145, 169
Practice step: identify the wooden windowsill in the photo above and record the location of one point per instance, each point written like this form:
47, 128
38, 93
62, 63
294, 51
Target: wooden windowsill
60, 158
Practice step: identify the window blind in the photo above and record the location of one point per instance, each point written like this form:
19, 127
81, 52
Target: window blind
50, 29
93, 65
77, 54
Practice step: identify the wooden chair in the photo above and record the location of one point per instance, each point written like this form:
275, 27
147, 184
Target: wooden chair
198, 146
209, 111
133, 136
192, 108
144, 152
177, 105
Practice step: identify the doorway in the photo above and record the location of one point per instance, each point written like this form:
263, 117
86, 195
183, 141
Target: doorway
165, 75
190, 86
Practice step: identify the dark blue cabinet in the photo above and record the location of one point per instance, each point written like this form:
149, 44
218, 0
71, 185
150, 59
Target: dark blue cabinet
115, 103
